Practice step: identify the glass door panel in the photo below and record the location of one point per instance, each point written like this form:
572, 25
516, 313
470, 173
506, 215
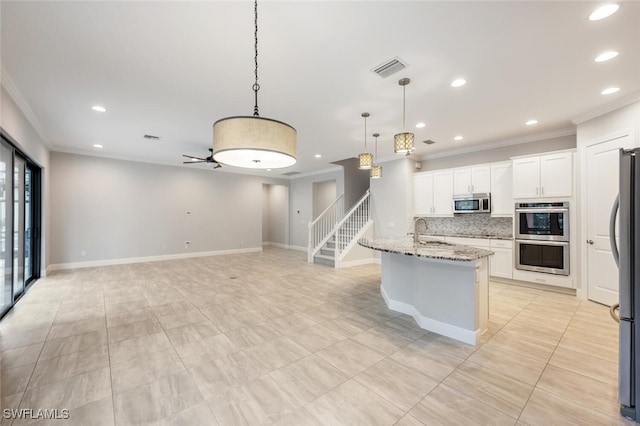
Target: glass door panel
28, 224
6, 246
18, 227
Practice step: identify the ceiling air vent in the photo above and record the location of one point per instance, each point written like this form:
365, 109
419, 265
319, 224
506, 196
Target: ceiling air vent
429, 142
151, 137
390, 67
290, 173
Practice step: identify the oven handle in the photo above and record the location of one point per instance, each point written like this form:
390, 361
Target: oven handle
543, 242
542, 210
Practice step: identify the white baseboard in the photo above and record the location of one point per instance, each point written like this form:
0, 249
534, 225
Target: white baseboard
279, 245
426, 323
129, 260
359, 262
299, 248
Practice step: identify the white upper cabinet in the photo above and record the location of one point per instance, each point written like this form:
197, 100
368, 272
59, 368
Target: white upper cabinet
468, 180
433, 193
501, 189
422, 193
542, 176
556, 175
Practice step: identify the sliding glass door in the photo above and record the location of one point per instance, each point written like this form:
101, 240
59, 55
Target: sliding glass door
19, 223
6, 226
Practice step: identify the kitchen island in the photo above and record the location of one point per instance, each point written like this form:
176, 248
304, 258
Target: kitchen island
443, 286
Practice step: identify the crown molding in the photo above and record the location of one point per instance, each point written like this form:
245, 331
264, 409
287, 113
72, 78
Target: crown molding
502, 144
608, 107
7, 82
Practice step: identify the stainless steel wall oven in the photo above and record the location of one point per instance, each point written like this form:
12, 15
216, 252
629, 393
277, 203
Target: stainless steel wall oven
542, 237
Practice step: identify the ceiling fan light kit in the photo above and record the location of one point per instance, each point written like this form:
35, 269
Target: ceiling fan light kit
254, 142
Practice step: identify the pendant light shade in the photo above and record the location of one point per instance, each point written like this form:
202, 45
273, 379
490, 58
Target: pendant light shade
376, 170
403, 142
254, 142
365, 159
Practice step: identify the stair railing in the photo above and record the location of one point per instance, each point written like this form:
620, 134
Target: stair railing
321, 229
351, 225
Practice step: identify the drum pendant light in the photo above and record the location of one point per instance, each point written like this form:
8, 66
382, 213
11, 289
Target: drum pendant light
403, 142
254, 142
365, 159
376, 170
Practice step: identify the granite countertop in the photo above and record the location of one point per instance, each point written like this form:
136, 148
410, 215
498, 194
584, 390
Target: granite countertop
485, 236
428, 248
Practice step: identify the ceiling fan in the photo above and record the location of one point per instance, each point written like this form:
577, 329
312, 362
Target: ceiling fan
207, 160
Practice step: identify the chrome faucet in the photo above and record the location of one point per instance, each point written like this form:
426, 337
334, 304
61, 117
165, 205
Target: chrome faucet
415, 228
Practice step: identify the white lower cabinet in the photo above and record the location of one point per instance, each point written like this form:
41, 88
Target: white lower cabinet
501, 264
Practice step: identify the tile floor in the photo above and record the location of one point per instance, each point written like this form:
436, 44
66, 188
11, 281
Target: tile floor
269, 339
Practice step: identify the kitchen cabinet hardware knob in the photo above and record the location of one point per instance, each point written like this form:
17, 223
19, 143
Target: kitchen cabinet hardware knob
590, 242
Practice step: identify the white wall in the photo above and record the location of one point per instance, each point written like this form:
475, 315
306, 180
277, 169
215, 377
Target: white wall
392, 198
112, 209
324, 193
301, 204
18, 127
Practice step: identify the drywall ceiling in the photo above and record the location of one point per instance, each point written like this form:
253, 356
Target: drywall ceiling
173, 68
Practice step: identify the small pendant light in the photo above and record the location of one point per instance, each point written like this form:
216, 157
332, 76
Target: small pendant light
403, 142
376, 170
366, 159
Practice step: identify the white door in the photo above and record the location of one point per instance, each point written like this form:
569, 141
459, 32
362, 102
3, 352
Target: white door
602, 188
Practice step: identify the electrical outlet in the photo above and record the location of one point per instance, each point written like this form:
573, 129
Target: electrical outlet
187, 244
188, 212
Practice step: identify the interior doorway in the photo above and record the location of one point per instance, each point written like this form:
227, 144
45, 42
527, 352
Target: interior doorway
275, 215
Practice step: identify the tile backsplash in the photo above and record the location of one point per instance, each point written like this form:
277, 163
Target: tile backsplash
469, 225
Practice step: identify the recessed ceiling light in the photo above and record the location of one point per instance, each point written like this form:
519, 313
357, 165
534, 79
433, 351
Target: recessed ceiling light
604, 11
458, 138
97, 146
531, 122
458, 82
318, 156
610, 90
99, 108
605, 56
420, 125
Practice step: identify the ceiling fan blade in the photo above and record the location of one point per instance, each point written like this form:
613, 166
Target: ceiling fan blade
193, 162
197, 158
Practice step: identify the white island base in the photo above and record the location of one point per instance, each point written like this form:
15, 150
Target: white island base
447, 297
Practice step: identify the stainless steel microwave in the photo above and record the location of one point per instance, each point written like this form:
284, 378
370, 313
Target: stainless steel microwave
472, 203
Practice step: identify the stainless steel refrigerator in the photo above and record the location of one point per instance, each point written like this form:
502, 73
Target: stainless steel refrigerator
627, 256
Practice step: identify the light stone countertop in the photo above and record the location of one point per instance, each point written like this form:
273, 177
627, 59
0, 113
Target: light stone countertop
427, 247
462, 235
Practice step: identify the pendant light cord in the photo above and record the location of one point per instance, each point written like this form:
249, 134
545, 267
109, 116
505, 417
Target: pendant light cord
365, 133
256, 86
404, 102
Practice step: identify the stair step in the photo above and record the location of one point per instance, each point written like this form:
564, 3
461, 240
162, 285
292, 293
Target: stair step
328, 252
324, 260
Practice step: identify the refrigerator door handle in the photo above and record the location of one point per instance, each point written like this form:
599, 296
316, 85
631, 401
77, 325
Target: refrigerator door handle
612, 230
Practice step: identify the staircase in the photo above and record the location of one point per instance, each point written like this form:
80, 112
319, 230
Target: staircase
332, 235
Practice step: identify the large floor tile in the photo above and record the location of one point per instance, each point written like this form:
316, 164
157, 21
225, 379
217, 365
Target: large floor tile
316, 337
445, 406
397, 383
277, 353
491, 388
353, 404
350, 357
428, 361
140, 371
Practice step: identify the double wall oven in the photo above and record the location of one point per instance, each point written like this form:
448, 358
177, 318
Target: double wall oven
542, 237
